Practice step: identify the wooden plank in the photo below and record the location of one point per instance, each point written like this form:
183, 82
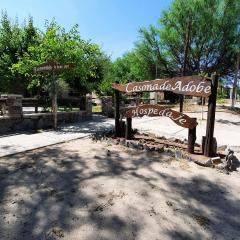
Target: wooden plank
153, 110
187, 85
52, 66
164, 141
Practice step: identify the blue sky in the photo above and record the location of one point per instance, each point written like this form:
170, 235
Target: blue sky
113, 24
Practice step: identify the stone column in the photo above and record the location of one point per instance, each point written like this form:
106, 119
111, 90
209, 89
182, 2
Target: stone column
89, 105
107, 106
14, 105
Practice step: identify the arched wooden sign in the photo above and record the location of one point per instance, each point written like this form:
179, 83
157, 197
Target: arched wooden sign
153, 110
188, 85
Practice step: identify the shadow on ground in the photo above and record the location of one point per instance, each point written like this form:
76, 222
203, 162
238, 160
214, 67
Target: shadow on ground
53, 192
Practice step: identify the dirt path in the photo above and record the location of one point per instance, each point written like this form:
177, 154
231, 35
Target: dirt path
86, 190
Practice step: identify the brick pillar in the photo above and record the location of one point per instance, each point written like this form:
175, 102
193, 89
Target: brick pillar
89, 105
107, 106
14, 105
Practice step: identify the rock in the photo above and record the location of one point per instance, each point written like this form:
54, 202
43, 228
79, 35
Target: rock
122, 141
178, 154
216, 160
232, 163
140, 146
172, 139
135, 144
145, 147
160, 148
108, 153
222, 148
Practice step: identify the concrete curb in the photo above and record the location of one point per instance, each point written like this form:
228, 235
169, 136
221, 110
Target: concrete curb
43, 146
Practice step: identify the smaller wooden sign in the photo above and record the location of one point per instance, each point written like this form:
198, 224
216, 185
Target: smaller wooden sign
51, 66
188, 85
153, 110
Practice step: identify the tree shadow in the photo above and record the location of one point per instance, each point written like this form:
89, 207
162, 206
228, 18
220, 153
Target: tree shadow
224, 121
56, 190
54, 181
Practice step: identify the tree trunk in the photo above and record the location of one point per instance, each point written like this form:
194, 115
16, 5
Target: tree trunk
54, 101
54, 108
234, 91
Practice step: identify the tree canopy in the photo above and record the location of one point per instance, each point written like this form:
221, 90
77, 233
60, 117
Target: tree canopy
213, 43
213, 27
23, 48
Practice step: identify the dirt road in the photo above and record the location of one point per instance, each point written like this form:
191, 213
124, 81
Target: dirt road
87, 190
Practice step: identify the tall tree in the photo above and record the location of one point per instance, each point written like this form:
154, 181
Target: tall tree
14, 43
213, 34
56, 44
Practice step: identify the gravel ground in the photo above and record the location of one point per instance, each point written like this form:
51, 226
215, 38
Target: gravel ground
227, 126
88, 190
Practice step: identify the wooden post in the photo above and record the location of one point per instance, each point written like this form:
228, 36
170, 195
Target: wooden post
128, 133
117, 112
181, 103
54, 101
208, 149
234, 90
191, 139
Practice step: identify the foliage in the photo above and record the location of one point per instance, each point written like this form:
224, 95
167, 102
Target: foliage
63, 47
24, 47
213, 34
14, 43
214, 42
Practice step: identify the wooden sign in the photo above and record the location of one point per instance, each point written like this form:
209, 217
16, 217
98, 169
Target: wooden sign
152, 110
188, 85
51, 66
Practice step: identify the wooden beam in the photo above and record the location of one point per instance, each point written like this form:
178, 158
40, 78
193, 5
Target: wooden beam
128, 133
191, 138
209, 148
117, 111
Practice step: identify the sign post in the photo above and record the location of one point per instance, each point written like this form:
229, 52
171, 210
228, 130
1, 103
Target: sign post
209, 142
117, 111
197, 86
128, 133
192, 138
52, 67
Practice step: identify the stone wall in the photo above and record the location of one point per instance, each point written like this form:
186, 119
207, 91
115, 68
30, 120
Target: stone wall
13, 106
39, 121
107, 106
88, 105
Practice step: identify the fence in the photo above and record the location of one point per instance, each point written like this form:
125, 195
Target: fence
14, 120
67, 102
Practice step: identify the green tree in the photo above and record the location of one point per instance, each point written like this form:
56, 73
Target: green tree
56, 44
213, 34
14, 42
213, 44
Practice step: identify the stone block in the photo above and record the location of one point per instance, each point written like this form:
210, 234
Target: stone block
107, 106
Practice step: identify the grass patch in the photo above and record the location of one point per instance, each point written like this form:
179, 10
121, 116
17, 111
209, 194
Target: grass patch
97, 109
67, 109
